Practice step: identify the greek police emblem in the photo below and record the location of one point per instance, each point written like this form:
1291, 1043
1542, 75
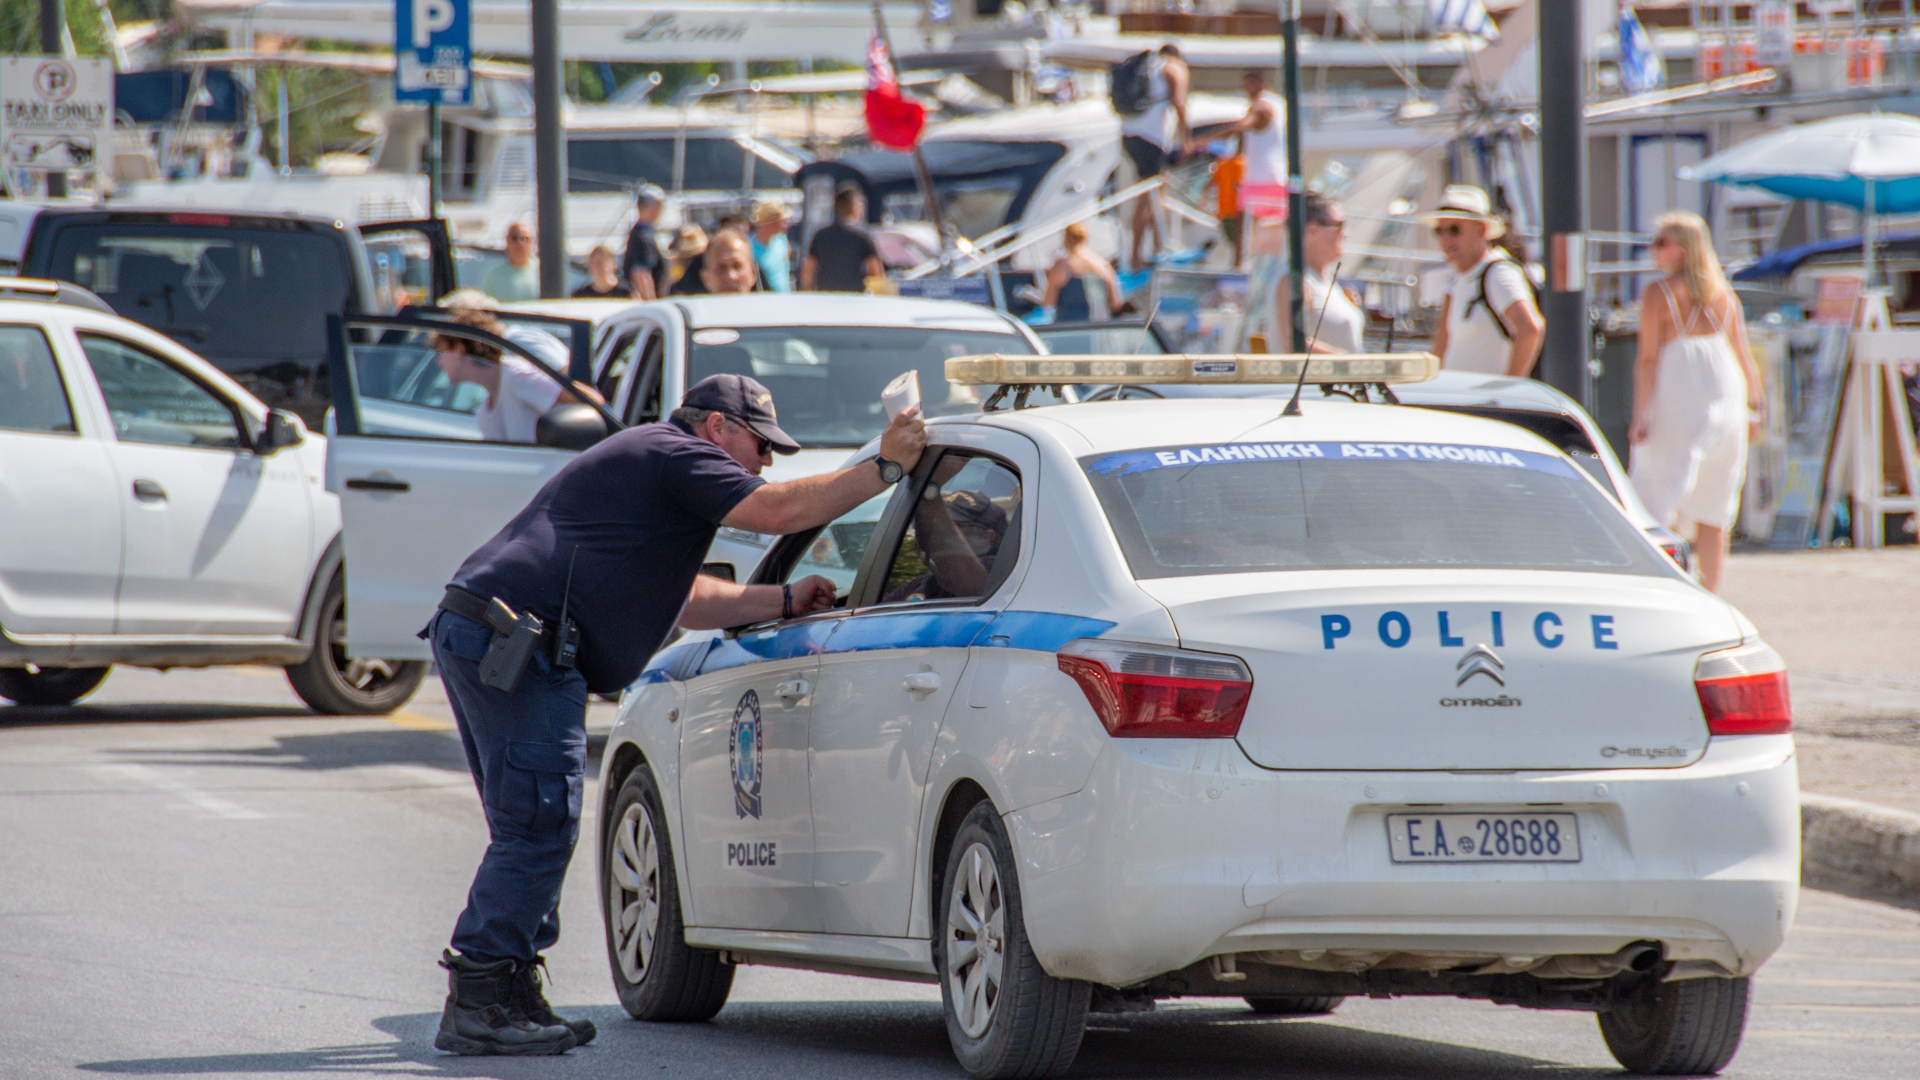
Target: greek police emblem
743, 754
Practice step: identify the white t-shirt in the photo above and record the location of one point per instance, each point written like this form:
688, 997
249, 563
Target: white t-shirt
1267, 150
1474, 340
525, 393
1344, 324
1156, 123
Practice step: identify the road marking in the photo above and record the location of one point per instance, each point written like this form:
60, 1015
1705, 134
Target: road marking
414, 721
212, 805
1910, 984
439, 779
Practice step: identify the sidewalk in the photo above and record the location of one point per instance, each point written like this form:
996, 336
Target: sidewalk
1848, 624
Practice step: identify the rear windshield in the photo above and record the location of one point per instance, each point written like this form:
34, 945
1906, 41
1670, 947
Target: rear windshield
826, 380
243, 298
1238, 508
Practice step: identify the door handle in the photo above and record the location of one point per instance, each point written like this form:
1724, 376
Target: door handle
368, 483
149, 491
921, 682
792, 690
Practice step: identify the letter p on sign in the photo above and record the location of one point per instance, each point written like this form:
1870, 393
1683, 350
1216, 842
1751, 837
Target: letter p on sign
430, 17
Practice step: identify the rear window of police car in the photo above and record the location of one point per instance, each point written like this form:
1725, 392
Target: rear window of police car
1182, 511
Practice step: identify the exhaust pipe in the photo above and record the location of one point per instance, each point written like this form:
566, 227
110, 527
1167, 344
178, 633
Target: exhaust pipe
1641, 956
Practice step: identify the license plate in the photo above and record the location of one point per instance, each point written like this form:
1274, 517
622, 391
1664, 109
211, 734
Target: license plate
1481, 838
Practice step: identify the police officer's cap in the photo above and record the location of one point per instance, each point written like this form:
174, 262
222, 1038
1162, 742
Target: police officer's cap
744, 399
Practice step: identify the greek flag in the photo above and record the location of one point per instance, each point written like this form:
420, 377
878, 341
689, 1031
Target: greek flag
1641, 68
1460, 17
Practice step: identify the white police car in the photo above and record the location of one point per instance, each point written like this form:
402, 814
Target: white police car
1131, 700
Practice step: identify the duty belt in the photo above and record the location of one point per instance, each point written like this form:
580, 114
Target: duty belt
515, 637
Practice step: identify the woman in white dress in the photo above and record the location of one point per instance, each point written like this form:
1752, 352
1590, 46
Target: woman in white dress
1696, 392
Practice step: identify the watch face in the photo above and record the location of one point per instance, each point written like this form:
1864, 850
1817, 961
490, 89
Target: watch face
889, 470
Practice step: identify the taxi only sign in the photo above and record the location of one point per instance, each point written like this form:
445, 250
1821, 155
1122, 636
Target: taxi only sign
56, 114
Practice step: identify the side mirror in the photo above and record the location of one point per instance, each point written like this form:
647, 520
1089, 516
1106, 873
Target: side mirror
282, 429
570, 427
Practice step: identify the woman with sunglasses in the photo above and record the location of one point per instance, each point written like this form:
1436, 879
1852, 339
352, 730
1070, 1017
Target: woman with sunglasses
1489, 322
1696, 392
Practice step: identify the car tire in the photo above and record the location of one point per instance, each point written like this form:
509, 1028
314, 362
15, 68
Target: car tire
1686, 1028
1006, 1017
1294, 1006
331, 683
657, 974
50, 685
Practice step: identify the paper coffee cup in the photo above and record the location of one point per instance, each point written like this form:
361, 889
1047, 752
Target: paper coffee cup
901, 394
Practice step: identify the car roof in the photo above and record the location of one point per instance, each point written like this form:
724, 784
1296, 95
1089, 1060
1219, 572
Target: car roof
1108, 426
838, 309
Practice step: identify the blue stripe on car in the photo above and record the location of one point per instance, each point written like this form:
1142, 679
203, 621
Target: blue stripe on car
1038, 630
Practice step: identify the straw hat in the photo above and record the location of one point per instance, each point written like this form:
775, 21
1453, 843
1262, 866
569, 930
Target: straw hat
691, 240
1464, 202
771, 210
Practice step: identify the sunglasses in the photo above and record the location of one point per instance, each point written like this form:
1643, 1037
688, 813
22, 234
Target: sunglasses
1337, 226
766, 444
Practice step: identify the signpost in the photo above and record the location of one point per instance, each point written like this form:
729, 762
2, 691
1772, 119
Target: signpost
433, 59
56, 116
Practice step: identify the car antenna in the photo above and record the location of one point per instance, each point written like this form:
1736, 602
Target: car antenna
1147, 327
1293, 404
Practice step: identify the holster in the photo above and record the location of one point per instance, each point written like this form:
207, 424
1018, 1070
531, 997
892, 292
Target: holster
515, 637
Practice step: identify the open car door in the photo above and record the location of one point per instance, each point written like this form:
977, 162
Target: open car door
412, 260
419, 486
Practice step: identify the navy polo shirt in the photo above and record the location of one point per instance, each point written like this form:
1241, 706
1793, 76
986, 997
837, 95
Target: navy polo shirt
640, 508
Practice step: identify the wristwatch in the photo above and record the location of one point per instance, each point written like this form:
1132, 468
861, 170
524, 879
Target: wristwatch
890, 471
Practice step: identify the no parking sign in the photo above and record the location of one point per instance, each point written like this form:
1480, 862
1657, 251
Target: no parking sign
433, 51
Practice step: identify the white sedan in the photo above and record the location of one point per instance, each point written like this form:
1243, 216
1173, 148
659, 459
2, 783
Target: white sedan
1132, 700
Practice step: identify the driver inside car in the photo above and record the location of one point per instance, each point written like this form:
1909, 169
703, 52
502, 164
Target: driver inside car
957, 535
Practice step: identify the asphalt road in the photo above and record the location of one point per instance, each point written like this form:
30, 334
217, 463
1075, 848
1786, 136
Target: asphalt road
225, 886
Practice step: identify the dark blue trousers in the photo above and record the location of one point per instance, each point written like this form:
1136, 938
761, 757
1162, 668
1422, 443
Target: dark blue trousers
528, 753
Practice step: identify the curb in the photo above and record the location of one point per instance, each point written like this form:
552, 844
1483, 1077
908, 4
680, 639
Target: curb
1856, 844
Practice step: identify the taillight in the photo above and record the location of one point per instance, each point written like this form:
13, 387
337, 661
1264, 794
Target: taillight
1743, 691
1154, 692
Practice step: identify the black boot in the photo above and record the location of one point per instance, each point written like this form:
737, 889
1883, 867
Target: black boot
529, 1002
480, 1018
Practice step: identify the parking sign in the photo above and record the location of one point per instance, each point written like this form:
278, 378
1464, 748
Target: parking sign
56, 115
432, 49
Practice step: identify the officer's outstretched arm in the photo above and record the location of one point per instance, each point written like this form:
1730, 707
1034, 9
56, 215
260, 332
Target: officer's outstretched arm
715, 604
789, 507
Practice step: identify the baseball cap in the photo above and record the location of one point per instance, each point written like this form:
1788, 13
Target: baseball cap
745, 400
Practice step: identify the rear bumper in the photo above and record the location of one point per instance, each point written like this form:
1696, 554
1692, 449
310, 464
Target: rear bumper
1179, 850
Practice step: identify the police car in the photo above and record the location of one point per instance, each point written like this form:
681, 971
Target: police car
1132, 700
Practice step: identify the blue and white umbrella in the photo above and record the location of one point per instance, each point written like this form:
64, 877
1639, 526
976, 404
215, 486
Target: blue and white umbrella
1869, 161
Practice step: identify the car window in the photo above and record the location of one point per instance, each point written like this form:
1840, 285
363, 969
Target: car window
151, 401
1248, 507
643, 406
837, 552
1082, 339
417, 383
963, 536
619, 357
32, 397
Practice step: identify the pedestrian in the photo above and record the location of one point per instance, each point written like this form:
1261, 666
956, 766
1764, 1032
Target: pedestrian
842, 257
518, 278
1489, 322
1153, 135
1081, 286
642, 265
517, 392
1335, 324
545, 347
1696, 393
693, 276
588, 579
728, 265
1263, 148
603, 277
771, 249
683, 258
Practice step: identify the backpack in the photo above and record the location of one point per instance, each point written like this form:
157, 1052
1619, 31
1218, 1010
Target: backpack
1480, 296
1127, 83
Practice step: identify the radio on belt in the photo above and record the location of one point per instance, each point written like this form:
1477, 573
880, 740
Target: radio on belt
994, 369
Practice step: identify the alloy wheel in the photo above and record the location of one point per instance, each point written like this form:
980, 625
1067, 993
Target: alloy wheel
976, 937
363, 675
633, 890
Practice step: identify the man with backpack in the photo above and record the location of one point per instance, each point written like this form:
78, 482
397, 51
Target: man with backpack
1149, 92
1491, 320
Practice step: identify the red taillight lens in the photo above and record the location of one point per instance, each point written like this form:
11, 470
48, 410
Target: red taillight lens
1154, 692
1743, 691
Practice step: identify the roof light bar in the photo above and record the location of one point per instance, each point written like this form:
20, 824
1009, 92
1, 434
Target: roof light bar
994, 369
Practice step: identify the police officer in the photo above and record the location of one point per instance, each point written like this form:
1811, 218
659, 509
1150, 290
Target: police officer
570, 598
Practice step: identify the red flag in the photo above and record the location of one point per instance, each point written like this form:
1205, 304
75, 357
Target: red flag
892, 121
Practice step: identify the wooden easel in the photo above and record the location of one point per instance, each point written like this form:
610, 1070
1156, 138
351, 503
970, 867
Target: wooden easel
1873, 457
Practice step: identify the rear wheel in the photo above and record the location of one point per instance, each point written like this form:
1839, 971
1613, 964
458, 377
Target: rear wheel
656, 973
1686, 1028
50, 685
331, 682
1294, 1006
1006, 1017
